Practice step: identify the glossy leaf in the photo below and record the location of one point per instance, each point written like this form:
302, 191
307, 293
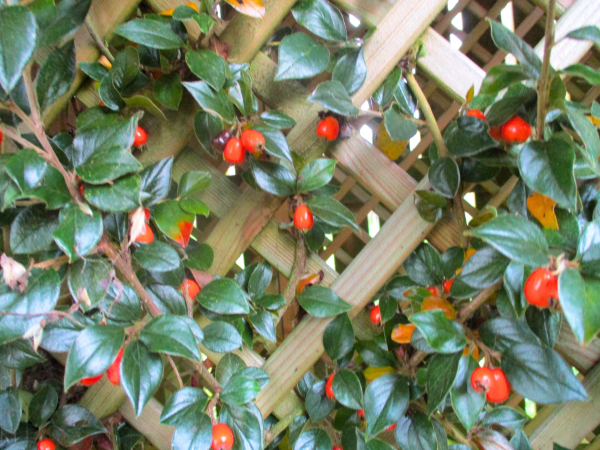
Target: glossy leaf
56, 75
386, 400
10, 405
78, 233
320, 301
18, 32
351, 70
221, 337
121, 196
224, 296
207, 66
399, 128
141, 374
316, 174
467, 402
171, 335
216, 103
444, 335
468, 136
73, 423
511, 43
338, 338
156, 180
194, 433
273, 178
32, 230
300, 57
441, 373
347, 389
424, 266
88, 279
321, 18
444, 176
318, 405
578, 299
333, 96
150, 33
332, 212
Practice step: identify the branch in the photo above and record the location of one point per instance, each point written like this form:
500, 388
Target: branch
543, 83
207, 377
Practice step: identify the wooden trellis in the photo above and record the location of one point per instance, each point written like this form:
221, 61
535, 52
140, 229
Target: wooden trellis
245, 221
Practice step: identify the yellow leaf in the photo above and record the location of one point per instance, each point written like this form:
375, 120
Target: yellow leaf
542, 208
193, 6
470, 94
252, 8
372, 373
594, 120
167, 12
390, 148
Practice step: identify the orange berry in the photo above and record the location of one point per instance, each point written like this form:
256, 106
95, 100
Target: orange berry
222, 437
303, 218
329, 388
114, 371
376, 315
402, 333
46, 444
329, 128
146, 236
516, 130
140, 137
191, 287
253, 141
434, 302
234, 152
541, 287
90, 380
476, 113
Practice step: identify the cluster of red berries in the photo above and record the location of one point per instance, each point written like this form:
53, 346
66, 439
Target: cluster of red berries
234, 149
516, 130
492, 383
222, 437
147, 235
329, 128
113, 373
541, 288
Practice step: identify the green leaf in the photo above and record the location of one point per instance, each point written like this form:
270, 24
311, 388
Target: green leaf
315, 439
452, 260
239, 389
171, 335
516, 238
73, 423
194, 206
547, 168
110, 95
221, 337
121, 196
32, 230
207, 66
545, 324
19, 354
484, 268
216, 103
441, 373
63, 22
353, 439
88, 279
156, 180
318, 405
333, 96
192, 182
444, 176
18, 31
514, 278
168, 299
200, 257
332, 212
416, 432
500, 334
174, 221
582, 71
424, 266
41, 295
227, 366
320, 301
277, 119
56, 75
386, 399
316, 174
347, 389
468, 136
224, 296
275, 142
589, 135
247, 425
505, 416
374, 355
107, 165
262, 321
125, 67
430, 205
78, 233
59, 335
444, 335
43, 404
398, 127
168, 90
272, 302
273, 178
10, 405
321, 18
508, 106
338, 338
195, 433
587, 33
588, 249
511, 43
93, 352
141, 374
157, 257
541, 375
578, 299
500, 77
121, 303
151, 33
260, 279
300, 57
466, 402
385, 92
351, 70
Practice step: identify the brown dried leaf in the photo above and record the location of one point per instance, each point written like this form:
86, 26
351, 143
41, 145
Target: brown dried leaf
252, 8
137, 223
15, 275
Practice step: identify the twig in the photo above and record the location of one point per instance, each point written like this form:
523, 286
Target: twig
52, 263
459, 211
298, 270
101, 46
207, 377
543, 83
174, 367
281, 426
49, 313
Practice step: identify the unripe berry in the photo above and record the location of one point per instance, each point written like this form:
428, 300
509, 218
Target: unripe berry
46, 444
476, 113
253, 141
114, 371
146, 236
222, 437
140, 137
329, 388
220, 140
191, 287
303, 218
329, 128
541, 287
234, 152
376, 315
516, 130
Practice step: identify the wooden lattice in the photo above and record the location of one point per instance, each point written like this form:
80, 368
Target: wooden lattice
245, 222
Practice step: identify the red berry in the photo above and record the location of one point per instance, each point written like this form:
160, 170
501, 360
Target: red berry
253, 141
146, 236
2, 137
448, 285
91, 380
516, 130
81, 189
500, 388
376, 315
191, 287
540, 287
329, 128
303, 218
147, 214
329, 388
222, 437
114, 371
432, 290
140, 137
336, 447
234, 152
220, 140
481, 379
496, 133
361, 414
476, 113
46, 444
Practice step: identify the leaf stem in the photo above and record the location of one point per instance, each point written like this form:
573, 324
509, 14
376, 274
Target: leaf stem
174, 367
543, 83
99, 43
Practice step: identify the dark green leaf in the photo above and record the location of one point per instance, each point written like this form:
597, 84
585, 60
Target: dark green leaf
141, 374
501, 334
273, 178
444, 176
351, 70
239, 389
110, 95
107, 165
321, 18
467, 402
43, 404
416, 433
78, 233
260, 279
156, 180
121, 196
168, 299
168, 90
200, 257
444, 335
271, 302
398, 127
318, 404
316, 174
151, 33
441, 373
216, 103
545, 324
511, 43
484, 268
320, 301
32, 230
579, 302
224, 296
63, 22
587, 33
386, 399
424, 266
18, 32
228, 365
589, 135
347, 389
221, 337
19, 354
11, 408
384, 93
157, 257
277, 119
514, 277
338, 338
192, 182
333, 96
56, 75
332, 212
468, 136
88, 281
507, 107
72, 424
315, 439
430, 205
300, 57
452, 260
207, 66
171, 335
121, 303
195, 433
275, 142
505, 416
374, 355
500, 77
263, 323
247, 425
